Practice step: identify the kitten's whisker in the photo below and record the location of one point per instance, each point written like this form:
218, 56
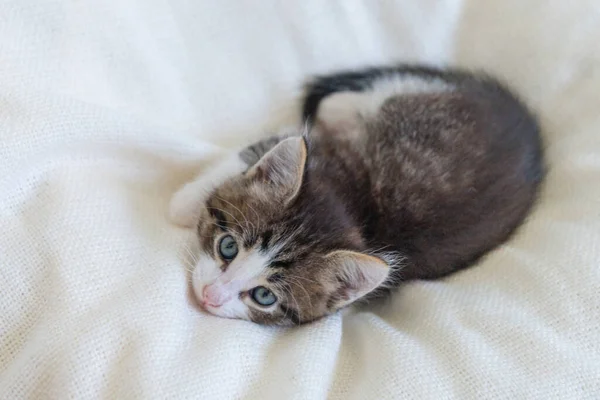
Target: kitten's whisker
289, 291
188, 267
281, 287
298, 309
306, 279
236, 222
208, 221
292, 280
248, 222
190, 254
257, 218
254, 211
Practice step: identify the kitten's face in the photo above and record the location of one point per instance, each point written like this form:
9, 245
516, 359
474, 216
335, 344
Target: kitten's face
263, 261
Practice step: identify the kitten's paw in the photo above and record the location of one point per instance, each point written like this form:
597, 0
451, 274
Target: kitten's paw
185, 206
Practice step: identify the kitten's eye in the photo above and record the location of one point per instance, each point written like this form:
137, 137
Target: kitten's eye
228, 248
263, 296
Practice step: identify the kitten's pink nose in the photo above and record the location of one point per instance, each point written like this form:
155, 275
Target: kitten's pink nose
215, 296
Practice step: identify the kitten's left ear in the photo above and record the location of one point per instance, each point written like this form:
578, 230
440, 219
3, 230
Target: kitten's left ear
358, 273
282, 169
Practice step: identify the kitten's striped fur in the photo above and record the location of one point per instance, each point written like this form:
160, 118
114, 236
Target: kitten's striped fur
420, 169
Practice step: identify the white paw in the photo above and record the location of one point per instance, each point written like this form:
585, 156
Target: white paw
186, 205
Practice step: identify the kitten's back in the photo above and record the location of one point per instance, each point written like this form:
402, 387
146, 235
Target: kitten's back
454, 160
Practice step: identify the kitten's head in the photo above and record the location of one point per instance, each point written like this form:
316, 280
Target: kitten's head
278, 248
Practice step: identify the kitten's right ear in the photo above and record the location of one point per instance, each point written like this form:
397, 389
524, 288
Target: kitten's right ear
281, 169
358, 274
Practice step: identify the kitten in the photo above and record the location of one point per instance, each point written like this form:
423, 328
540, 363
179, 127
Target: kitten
406, 173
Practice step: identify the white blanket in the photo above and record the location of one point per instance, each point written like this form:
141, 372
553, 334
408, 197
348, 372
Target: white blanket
106, 106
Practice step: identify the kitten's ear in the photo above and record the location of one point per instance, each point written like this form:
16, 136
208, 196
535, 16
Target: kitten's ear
282, 169
358, 274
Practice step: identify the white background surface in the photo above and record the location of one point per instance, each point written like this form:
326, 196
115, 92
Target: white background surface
107, 106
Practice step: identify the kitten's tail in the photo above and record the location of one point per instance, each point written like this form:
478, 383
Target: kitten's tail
322, 86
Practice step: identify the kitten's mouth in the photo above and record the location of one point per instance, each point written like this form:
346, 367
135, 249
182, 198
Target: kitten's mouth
203, 305
206, 305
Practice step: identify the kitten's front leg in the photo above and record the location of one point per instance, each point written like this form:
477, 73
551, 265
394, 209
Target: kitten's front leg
186, 205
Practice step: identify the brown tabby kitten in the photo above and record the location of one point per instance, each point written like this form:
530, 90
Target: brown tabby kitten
406, 173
